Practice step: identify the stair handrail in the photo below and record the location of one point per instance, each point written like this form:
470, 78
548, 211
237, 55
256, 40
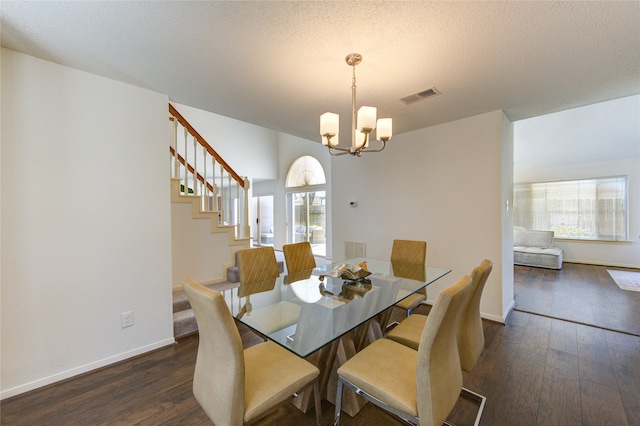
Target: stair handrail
174, 112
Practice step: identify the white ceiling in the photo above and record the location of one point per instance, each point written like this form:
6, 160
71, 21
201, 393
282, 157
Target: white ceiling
607, 131
281, 64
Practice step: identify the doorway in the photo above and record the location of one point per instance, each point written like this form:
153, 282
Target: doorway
263, 232
307, 213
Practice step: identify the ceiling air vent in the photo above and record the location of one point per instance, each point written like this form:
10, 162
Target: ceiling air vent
432, 91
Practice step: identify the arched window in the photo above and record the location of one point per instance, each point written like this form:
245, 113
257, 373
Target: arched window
306, 203
305, 171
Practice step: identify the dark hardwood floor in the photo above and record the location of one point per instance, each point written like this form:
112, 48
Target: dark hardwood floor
580, 293
535, 370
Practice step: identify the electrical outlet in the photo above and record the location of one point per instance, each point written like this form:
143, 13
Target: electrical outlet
126, 319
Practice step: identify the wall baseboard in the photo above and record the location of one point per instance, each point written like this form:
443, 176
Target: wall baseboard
63, 375
508, 311
591, 262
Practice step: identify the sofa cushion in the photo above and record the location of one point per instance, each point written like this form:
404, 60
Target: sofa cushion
539, 257
525, 238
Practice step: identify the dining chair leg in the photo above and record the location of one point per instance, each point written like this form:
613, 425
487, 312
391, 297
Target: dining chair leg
336, 418
476, 397
316, 396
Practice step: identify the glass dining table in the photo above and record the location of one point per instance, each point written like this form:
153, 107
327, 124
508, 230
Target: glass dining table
324, 314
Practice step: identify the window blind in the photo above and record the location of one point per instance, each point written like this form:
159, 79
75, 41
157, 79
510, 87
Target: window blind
581, 209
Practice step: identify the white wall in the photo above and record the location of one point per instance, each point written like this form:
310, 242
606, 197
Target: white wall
508, 300
85, 222
444, 184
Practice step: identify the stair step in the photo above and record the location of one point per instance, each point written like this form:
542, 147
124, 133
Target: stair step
184, 323
184, 320
181, 301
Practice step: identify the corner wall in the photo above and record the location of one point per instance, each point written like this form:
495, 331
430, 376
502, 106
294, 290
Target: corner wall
86, 228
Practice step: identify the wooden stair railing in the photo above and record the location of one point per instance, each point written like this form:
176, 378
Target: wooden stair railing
215, 195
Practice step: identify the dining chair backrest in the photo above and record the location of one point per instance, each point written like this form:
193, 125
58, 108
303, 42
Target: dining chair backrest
470, 331
439, 377
409, 251
408, 259
299, 257
218, 380
258, 270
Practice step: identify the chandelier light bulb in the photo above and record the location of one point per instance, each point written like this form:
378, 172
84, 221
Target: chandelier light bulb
329, 124
385, 129
367, 118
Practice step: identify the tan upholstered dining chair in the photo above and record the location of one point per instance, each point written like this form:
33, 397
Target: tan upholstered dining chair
257, 266
406, 253
299, 259
236, 386
422, 386
258, 271
470, 331
470, 334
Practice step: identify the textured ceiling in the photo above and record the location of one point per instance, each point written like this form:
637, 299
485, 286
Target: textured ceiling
281, 64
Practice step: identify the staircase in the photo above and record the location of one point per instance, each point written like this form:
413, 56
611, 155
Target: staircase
217, 194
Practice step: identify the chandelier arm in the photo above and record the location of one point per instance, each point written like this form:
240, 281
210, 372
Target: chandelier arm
343, 151
384, 144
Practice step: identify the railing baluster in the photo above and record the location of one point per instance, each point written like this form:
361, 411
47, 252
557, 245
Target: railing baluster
237, 215
222, 199
214, 196
229, 201
205, 191
245, 223
174, 140
195, 166
186, 161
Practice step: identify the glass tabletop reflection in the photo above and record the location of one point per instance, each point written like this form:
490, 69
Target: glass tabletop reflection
307, 310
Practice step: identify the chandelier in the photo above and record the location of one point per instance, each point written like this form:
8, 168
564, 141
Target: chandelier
362, 123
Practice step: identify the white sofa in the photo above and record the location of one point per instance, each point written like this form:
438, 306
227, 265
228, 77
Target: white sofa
535, 248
